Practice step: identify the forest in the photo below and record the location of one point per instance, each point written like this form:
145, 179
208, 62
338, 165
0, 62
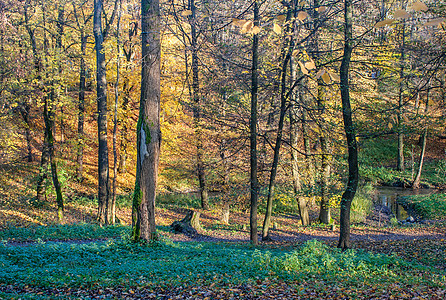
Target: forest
201, 149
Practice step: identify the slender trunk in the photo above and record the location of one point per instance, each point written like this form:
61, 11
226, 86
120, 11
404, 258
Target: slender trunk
353, 170
288, 48
197, 108
81, 110
148, 128
253, 131
49, 117
24, 111
123, 122
112, 210
400, 160
416, 182
324, 212
101, 89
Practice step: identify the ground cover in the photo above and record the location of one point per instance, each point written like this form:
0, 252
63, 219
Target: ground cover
116, 268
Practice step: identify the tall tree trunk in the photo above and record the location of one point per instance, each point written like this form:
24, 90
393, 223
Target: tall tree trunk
101, 89
253, 131
400, 134
81, 110
148, 129
416, 182
197, 108
112, 209
288, 49
324, 212
353, 170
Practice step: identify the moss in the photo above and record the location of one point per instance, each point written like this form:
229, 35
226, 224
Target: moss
146, 129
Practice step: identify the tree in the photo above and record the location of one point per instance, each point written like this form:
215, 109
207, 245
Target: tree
253, 131
101, 91
148, 128
353, 170
284, 60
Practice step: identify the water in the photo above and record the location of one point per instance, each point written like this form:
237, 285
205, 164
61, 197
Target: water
388, 196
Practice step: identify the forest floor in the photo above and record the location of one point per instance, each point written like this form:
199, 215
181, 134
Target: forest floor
45, 260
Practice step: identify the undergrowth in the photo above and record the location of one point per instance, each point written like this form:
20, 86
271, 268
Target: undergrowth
118, 262
431, 206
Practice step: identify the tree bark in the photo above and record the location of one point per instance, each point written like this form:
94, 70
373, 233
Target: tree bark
112, 209
416, 182
101, 90
148, 129
353, 170
253, 132
324, 212
400, 134
81, 110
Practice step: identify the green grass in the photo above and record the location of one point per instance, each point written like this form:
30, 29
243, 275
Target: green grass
431, 206
119, 263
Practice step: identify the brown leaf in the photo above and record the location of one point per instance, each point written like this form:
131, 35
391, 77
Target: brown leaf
383, 23
401, 14
419, 6
435, 22
302, 15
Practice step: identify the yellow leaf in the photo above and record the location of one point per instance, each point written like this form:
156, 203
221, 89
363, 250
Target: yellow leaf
326, 78
383, 23
320, 73
302, 15
335, 77
247, 27
401, 14
435, 22
256, 30
419, 6
295, 52
390, 125
302, 3
277, 29
186, 13
238, 22
302, 68
281, 18
310, 65
400, 80
321, 9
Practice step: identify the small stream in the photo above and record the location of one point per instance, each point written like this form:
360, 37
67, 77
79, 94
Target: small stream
388, 196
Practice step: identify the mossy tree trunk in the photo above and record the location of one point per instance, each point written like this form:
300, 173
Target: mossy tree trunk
148, 128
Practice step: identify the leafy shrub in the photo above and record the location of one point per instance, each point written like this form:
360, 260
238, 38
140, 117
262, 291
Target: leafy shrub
431, 206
